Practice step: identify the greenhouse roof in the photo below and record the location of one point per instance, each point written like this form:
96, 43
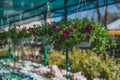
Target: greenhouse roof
16, 10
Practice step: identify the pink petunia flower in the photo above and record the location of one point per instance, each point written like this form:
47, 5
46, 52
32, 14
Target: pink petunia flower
33, 32
88, 38
74, 26
56, 29
29, 29
65, 33
49, 25
86, 30
89, 26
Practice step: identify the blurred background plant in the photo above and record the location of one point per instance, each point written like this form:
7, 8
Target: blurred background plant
91, 65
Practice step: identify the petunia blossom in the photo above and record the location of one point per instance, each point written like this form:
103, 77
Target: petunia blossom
56, 29
33, 32
86, 30
49, 25
88, 38
29, 29
89, 26
74, 26
65, 33
50, 33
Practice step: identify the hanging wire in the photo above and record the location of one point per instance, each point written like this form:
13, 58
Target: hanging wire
48, 6
87, 13
80, 3
1, 22
49, 14
21, 16
84, 13
20, 19
76, 14
8, 20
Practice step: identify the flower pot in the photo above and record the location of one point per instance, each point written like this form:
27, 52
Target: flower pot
84, 44
49, 46
43, 40
21, 41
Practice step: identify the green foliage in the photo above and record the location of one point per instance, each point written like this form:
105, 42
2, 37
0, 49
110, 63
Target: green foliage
14, 33
41, 31
99, 38
3, 37
23, 33
91, 64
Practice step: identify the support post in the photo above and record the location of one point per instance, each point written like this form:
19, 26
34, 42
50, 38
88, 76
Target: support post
45, 57
67, 65
14, 56
9, 48
45, 49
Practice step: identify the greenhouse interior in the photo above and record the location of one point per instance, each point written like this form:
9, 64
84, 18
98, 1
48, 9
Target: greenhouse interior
59, 39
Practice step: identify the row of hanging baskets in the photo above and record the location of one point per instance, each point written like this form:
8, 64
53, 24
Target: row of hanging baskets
65, 35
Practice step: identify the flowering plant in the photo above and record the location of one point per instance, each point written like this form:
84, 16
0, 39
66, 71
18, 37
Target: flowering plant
18, 33
24, 33
43, 32
12, 33
3, 37
65, 35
